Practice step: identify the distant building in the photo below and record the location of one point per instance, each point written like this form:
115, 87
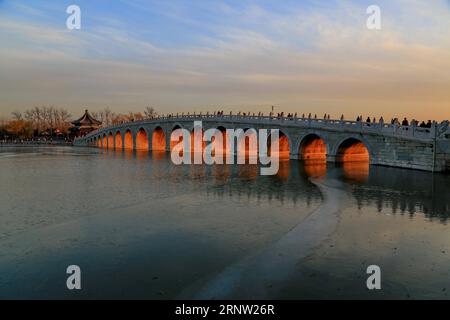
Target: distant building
84, 125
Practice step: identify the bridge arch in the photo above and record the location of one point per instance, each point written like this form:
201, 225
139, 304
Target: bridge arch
110, 140
313, 146
284, 144
128, 140
158, 139
105, 141
118, 141
353, 149
142, 140
176, 126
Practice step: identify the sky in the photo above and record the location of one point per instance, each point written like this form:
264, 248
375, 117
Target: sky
237, 55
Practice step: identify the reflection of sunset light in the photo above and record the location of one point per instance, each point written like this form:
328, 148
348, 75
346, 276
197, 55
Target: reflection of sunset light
158, 154
158, 140
284, 170
142, 154
249, 171
356, 170
128, 154
99, 142
128, 141
314, 148
142, 140
315, 168
118, 141
221, 173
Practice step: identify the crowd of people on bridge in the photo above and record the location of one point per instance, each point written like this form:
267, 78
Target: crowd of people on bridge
395, 121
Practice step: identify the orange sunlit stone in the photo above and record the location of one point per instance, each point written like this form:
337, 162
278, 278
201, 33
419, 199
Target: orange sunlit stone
105, 142
284, 149
142, 140
313, 148
158, 140
128, 145
118, 139
353, 150
110, 141
315, 168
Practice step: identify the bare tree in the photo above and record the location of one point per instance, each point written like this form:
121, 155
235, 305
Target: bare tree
107, 116
149, 112
138, 116
17, 115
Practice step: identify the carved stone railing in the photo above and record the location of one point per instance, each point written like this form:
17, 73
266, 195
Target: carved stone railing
441, 131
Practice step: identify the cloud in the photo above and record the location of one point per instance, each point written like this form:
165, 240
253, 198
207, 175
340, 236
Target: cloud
307, 59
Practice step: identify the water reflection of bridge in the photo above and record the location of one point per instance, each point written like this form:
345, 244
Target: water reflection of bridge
390, 190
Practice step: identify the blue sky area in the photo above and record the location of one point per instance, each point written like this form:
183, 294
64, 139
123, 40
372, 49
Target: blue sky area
303, 56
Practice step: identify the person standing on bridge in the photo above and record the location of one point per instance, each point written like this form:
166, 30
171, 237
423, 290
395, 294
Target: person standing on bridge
405, 122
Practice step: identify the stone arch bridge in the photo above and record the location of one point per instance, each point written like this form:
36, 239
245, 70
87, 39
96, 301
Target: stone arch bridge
383, 144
